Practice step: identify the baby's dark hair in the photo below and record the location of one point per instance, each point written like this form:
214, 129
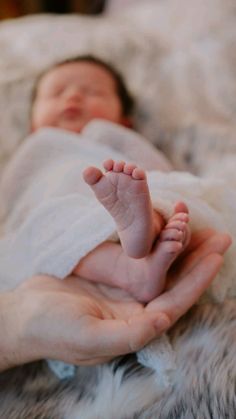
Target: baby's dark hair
126, 99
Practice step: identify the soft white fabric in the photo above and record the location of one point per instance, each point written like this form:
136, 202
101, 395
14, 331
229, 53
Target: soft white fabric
50, 217
176, 23
180, 66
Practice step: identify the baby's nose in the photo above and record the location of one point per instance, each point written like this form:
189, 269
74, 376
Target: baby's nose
74, 94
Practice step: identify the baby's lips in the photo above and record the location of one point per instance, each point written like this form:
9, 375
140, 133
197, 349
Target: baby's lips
71, 112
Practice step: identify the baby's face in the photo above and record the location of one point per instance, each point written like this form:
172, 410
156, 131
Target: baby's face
71, 95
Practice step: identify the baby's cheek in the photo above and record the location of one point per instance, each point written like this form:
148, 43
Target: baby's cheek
106, 111
44, 116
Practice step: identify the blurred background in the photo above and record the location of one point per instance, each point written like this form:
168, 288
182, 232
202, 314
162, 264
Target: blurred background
16, 8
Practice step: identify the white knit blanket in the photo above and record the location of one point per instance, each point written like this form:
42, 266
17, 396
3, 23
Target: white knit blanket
50, 217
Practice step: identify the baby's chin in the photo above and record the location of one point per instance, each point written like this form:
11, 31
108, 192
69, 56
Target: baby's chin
67, 127
72, 126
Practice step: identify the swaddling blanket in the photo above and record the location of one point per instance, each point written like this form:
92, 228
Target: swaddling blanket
51, 218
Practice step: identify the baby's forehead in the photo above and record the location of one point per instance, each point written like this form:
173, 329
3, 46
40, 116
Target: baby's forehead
56, 73
77, 70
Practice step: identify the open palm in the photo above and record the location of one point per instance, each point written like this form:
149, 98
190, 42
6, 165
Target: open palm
81, 322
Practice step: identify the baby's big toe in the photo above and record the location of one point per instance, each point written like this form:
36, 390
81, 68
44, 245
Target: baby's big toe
138, 174
172, 234
171, 247
92, 175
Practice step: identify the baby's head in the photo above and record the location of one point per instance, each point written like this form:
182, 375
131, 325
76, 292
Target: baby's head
76, 91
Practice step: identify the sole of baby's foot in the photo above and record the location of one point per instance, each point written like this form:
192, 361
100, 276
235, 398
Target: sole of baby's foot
123, 191
172, 241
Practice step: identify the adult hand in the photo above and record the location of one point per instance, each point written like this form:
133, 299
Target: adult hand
81, 322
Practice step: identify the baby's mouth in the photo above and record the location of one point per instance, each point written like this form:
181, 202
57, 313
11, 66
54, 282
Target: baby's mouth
71, 112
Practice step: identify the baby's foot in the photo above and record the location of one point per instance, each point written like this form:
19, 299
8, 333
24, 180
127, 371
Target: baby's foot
123, 191
148, 277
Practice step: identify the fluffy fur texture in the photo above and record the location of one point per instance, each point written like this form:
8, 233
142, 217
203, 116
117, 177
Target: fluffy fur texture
203, 386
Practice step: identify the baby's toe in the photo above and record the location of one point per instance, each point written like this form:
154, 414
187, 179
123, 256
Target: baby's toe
172, 234
172, 247
138, 174
118, 166
176, 224
181, 207
92, 175
180, 216
129, 168
108, 164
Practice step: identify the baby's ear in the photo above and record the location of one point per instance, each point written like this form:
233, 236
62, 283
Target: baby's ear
127, 122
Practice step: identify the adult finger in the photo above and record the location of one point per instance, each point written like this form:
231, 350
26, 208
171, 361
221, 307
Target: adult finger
200, 236
91, 361
177, 300
215, 243
117, 337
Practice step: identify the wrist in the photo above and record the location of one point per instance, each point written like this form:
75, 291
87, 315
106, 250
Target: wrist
9, 330
15, 320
